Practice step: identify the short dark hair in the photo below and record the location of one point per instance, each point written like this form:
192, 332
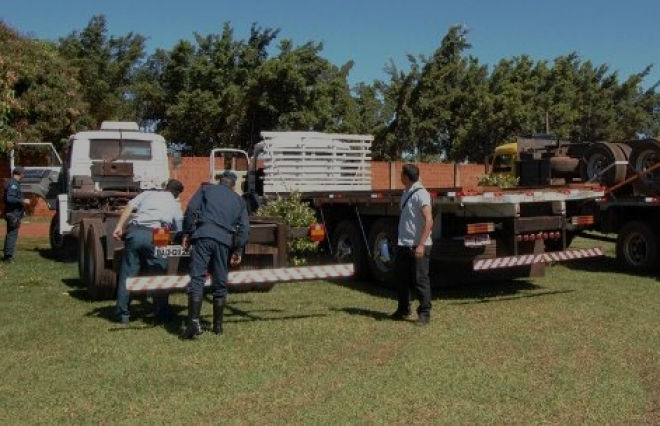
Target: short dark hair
411, 171
174, 186
18, 171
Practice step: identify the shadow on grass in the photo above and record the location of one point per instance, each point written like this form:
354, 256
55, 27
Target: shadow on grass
377, 315
604, 264
484, 290
64, 255
594, 264
142, 314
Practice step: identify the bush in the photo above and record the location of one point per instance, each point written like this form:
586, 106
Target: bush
294, 213
502, 181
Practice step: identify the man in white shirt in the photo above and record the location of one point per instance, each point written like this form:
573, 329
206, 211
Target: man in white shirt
147, 211
414, 247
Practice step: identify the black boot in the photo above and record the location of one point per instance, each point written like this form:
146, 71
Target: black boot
218, 312
193, 328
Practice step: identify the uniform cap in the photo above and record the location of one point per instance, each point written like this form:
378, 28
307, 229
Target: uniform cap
228, 174
18, 170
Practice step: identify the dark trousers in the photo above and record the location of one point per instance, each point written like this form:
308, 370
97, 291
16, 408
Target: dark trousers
138, 251
10, 240
413, 275
209, 255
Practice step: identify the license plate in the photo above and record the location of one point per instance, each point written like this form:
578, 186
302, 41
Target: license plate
477, 240
170, 251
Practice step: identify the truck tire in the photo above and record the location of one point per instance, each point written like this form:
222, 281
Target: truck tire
348, 246
383, 233
598, 164
637, 247
61, 245
102, 281
643, 156
82, 249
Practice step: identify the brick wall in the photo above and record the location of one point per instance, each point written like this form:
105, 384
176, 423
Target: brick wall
384, 175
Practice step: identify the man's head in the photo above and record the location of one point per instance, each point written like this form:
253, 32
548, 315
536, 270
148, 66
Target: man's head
228, 178
409, 174
175, 187
18, 172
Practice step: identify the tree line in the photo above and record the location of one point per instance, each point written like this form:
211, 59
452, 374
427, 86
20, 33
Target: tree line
221, 90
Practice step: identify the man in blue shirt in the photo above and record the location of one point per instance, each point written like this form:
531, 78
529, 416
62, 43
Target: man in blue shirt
414, 247
14, 211
215, 215
149, 210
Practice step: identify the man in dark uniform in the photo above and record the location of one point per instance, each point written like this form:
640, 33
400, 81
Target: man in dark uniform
149, 210
14, 211
214, 214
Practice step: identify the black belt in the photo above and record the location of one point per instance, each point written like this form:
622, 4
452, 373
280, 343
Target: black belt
135, 227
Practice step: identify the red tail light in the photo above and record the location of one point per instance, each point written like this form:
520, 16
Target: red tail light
161, 236
317, 232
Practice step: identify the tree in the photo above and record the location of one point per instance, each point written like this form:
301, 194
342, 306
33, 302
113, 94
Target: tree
106, 69
219, 91
41, 98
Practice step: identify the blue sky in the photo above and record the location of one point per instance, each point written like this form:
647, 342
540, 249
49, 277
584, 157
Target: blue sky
625, 35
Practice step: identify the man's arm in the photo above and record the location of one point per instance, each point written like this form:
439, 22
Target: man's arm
426, 232
243, 235
177, 219
194, 206
119, 229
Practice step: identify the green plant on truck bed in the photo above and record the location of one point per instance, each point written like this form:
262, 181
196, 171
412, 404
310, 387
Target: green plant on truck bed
294, 213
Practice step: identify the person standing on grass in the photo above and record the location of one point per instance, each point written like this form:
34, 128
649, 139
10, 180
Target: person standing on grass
14, 211
216, 223
414, 247
149, 210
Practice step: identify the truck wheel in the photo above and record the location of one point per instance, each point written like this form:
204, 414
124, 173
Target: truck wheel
348, 246
61, 245
102, 281
598, 164
82, 258
644, 155
557, 245
637, 247
383, 245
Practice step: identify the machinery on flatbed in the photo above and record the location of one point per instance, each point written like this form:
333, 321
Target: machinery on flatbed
630, 173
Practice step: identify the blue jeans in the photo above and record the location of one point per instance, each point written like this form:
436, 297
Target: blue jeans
212, 256
138, 249
413, 274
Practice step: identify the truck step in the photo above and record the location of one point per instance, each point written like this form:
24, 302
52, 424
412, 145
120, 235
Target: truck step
237, 278
530, 259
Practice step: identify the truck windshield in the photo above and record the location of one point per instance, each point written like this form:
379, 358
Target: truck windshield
107, 149
502, 163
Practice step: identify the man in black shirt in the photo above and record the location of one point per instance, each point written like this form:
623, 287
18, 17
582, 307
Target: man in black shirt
214, 214
14, 212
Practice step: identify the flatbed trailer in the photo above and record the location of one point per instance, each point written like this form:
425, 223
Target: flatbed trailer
477, 234
481, 234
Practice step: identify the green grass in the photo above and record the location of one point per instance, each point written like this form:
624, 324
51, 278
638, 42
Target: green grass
579, 345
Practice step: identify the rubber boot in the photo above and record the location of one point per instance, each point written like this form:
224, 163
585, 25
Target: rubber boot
193, 328
218, 312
